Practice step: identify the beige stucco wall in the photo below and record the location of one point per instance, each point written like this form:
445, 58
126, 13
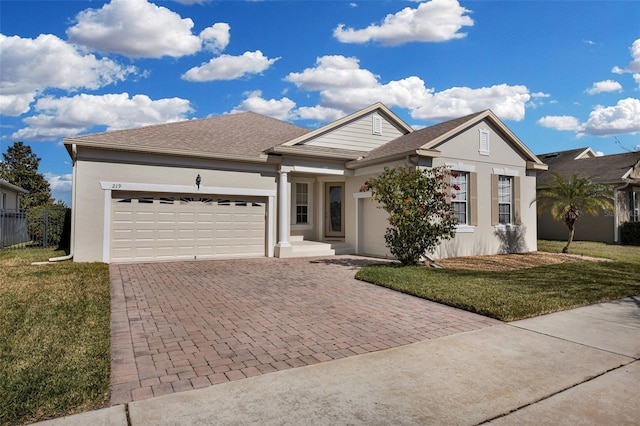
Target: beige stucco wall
463, 149
588, 228
486, 238
11, 198
94, 166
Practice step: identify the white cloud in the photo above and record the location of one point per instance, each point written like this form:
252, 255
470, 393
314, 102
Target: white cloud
624, 117
333, 72
604, 86
61, 117
537, 99
59, 182
431, 21
560, 122
190, 2
25, 70
540, 95
60, 186
216, 37
345, 87
318, 113
634, 66
227, 67
507, 102
137, 28
280, 109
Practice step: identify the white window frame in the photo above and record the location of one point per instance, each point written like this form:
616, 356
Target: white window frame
458, 193
634, 206
294, 203
501, 194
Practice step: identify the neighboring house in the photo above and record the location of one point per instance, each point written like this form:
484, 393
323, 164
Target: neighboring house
246, 185
13, 220
621, 171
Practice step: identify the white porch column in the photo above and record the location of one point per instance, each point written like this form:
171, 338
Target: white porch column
283, 209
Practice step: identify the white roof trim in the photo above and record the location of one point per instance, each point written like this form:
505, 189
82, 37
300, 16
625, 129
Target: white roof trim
587, 153
186, 189
12, 186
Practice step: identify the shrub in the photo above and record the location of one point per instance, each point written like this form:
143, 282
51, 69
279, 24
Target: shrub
45, 224
420, 214
630, 233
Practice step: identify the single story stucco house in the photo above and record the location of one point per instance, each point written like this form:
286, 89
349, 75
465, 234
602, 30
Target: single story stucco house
620, 171
13, 219
10, 195
247, 185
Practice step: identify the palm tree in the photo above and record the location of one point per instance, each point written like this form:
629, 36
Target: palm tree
568, 199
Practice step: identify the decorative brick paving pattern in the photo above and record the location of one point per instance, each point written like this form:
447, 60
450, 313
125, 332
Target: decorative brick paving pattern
187, 325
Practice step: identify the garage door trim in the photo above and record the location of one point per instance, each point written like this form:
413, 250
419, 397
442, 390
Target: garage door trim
109, 186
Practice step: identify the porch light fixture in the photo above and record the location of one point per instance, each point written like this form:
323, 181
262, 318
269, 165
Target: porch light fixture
198, 180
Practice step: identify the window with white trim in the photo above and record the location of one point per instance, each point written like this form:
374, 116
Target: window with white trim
460, 196
301, 203
505, 200
634, 206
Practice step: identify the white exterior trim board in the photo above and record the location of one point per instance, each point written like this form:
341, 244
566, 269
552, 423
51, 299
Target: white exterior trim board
186, 189
108, 187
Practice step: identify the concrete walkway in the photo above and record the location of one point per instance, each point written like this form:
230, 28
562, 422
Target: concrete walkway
575, 367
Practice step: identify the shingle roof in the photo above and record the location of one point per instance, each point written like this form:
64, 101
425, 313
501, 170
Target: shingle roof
244, 134
603, 169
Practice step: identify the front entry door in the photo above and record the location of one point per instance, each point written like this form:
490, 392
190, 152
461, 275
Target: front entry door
334, 209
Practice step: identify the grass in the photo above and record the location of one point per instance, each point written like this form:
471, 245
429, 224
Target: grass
54, 337
522, 293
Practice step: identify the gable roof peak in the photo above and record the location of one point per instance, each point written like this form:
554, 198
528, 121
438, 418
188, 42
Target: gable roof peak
428, 138
378, 106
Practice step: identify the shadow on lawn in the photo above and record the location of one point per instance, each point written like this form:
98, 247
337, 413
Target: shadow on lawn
353, 262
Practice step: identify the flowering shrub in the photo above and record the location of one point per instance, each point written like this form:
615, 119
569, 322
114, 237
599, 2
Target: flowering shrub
420, 216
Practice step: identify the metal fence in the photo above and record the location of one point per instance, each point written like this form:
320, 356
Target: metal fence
46, 227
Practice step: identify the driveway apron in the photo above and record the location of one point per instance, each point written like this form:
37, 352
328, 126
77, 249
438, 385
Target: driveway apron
187, 325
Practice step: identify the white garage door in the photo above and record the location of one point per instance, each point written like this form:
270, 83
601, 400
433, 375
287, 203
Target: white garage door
166, 227
372, 225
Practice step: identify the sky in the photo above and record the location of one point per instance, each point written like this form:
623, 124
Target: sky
560, 74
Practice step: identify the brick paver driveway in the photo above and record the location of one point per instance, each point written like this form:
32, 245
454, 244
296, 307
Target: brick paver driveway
186, 325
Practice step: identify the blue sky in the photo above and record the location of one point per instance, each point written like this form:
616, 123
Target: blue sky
560, 74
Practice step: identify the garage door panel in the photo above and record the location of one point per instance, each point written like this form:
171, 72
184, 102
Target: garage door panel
161, 226
166, 217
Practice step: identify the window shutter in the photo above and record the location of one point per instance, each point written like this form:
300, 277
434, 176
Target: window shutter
494, 200
447, 193
472, 190
517, 219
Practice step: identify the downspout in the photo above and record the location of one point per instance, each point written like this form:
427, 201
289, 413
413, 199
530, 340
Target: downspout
616, 229
74, 153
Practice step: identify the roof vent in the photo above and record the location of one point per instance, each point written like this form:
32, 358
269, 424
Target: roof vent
376, 125
553, 154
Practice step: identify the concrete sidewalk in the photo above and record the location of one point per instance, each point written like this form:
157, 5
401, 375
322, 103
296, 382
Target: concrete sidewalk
575, 367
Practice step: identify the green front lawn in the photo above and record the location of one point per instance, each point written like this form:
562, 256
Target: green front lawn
54, 337
522, 293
